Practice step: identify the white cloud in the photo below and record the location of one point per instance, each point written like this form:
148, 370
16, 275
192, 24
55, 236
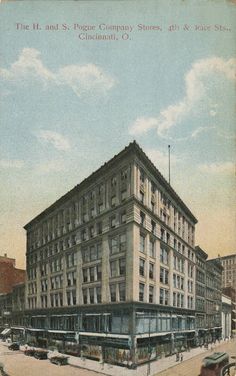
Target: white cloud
80, 78
143, 125
218, 168
195, 90
13, 163
50, 166
200, 130
84, 78
56, 139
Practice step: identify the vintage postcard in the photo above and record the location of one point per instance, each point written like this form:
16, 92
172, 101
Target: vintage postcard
117, 194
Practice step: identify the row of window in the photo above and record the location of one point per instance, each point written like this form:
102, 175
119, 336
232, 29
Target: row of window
178, 298
164, 252
181, 225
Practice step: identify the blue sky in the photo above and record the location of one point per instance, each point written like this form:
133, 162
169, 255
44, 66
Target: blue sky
68, 105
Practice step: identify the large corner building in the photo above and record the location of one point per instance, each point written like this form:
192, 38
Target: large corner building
111, 266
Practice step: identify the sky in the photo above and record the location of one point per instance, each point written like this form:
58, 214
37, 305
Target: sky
79, 80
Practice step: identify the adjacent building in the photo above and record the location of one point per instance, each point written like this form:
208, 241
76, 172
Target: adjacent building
10, 278
229, 270
213, 299
226, 316
9, 274
111, 266
200, 296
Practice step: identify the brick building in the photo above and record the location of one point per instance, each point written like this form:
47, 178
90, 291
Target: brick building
9, 274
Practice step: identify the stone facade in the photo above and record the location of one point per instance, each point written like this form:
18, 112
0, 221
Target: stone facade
111, 266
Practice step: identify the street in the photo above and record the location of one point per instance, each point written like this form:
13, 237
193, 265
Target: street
17, 364
192, 366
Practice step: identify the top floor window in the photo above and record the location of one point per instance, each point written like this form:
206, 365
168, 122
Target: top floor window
142, 243
142, 177
113, 181
142, 218
124, 174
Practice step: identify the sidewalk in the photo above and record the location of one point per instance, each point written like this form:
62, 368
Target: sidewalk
155, 367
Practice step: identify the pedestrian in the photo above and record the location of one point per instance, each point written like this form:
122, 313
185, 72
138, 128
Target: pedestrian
181, 357
177, 356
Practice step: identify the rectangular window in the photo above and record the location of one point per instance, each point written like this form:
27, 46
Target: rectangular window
141, 292
141, 267
99, 294
153, 227
85, 296
151, 293
93, 253
85, 275
91, 295
161, 296
141, 195
164, 256
142, 243
91, 273
99, 272
122, 266
152, 248
151, 270
113, 221
113, 293
122, 242
122, 292
113, 268
99, 227
142, 218
114, 245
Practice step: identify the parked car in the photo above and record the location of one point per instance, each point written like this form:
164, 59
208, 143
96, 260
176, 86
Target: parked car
60, 360
14, 346
41, 354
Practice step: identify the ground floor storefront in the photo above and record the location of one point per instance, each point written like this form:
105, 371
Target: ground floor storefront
127, 334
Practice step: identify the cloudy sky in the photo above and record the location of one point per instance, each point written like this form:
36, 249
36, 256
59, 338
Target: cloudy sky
68, 104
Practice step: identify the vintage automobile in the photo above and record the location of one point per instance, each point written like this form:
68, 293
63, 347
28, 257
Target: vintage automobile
41, 354
213, 364
14, 346
60, 360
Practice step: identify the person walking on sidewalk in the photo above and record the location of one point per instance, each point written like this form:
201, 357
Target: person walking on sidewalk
177, 356
181, 357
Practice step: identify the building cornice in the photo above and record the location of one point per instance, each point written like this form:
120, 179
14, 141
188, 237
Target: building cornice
132, 149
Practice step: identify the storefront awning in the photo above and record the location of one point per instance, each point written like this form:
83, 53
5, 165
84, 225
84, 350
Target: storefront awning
36, 330
61, 331
234, 320
5, 332
17, 328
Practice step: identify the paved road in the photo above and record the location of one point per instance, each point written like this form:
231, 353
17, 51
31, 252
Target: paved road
17, 364
192, 366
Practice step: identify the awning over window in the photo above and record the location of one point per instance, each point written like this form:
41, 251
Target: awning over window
5, 332
60, 331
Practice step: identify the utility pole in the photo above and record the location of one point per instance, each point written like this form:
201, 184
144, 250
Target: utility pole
169, 161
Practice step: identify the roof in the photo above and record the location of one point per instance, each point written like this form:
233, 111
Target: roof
132, 148
201, 252
215, 358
